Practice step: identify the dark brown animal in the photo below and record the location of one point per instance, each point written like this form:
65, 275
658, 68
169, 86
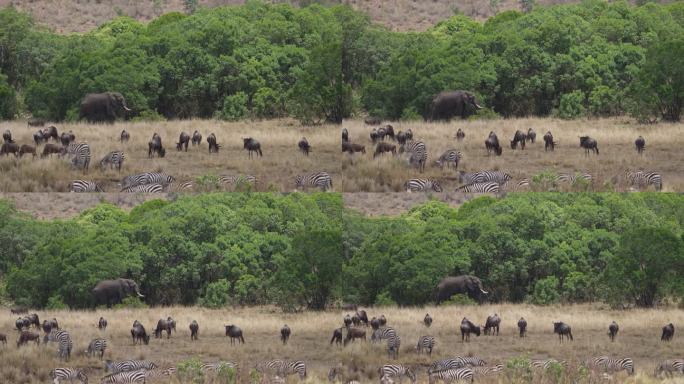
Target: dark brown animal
8, 148
162, 325
38, 138
304, 146
3, 338
67, 138
548, 141
427, 320
401, 137
356, 321
33, 320
285, 334
353, 334
640, 144
194, 330
7, 136
563, 330
345, 135
613, 329
460, 135
139, 334
492, 144
522, 327
531, 135
383, 147
467, 327
347, 321
372, 120
183, 140
51, 133
196, 138
213, 146
375, 323
518, 138
383, 320
27, 149
26, 336
668, 332
492, 324
18, 310
125, 136
352, 148
50, 149
363, 316
235, 333
155, 146
337, 337
102, 324
251, 145
589, 145
389, 131
36, 122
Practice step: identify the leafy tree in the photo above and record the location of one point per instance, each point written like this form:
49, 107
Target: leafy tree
8, 100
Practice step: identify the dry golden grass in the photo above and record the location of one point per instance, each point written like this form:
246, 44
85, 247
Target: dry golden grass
639, 338
615, 141
276, 170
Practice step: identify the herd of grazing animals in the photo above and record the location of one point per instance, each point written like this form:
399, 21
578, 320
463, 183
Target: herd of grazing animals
467, 368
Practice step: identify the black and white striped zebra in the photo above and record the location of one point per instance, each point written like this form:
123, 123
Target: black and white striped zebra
147, 178
114, 159
420, 185
641, 179
393, 345
417, 153
524, 183
64, 342
572, 178
128, 365
95, 346
127, 377
184, 186
60, 375
218, 366
547, 363
486, 187
611, 365
238, 180
321, 180
283, 368
397, 371
449, 157
80, 155
451, 375
425, 343
670, 367
83, 186
455, 362
383, 334
146, 188
483, 176
488, 371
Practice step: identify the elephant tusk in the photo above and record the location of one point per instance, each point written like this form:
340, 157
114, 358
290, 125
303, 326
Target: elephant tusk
483, 291
478, 106
126, 108
139, 295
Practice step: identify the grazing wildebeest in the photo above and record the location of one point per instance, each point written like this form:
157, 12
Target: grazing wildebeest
389, 131
588, 144
383, 320
251, 145
427, 320
155, 146
49, 325
460, 135
354, 333
374, 135
383, 147
467, 327
371, 120
162, 325
492, 324
345, 135
531, 135
548, 141
213, 145
8, 148
139, 334
36, 122
356, 321
67, 138
563, 330
7, 136
304, 146
401, 138
125, 136
363, 316
196, 138
194, 330
375, 323
492, 144
518, 138
172, 323
21, 323
668, 332
285, 334
183, 140
19, 310
235, 333
351, 147
522, 326
337, 336
38, 138
347, 320
613, 329
409, 134
50, 149
27, 336
3, 338
640, 144
51, 133
102, 324
27, 149
33, 320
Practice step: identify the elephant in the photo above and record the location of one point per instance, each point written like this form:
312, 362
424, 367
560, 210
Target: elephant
464, 284
113, 291
453, 103
103, 107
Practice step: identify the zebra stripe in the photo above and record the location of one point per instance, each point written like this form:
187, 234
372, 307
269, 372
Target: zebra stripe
670, 367
115, 159
218, 366
127, 377
321, 180
417, 153
64, 343
572, 178
81, 155
283, 368
425, 343
641, 179
454, 363
238, 180
128, 365
455, 374
147, 178
383, 334
146, 188
393, 345
97, 345
450, 156
546, 364
81, 186
63, 374
419, 185
611, 365
524, 183
484, 176
488, 187
488, 371
396, 370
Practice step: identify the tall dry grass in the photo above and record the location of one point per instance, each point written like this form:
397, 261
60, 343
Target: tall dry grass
276, 170
615, 138
639, 338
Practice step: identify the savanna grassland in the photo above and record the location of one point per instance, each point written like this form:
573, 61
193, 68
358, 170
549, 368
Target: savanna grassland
615, 139
276, 170
639, 338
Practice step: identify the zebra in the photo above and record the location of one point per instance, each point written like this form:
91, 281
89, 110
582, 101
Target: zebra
64, 343
126, 377
488, 371
128, 365
81, 186
450, 375
146, 188
63, 374
546, 364
610, 365
524, 183
96, 345
418, 185
483, 176
115, 159
383, 334
487, 187
455, 362
147, 178
450, 156
572, 178
282, 368
321, 180
396, 370
425, 343
81, 155
417, 153
238, 180
218, 366
669, 367
642, 179
393, 345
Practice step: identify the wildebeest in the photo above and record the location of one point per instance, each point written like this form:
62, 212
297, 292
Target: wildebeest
49, 325
356, 321
285, 334
492, 324
337, 336
125, 136
18, 310
354, 333
196, 138
351, 147
383, 147
345, 135
563, 330
371, 120
67, 138
304, 146
51, 133
492, 144
183, 140
213, 145
3, 338
7, 136
139, 334
38, 137
375, 323
531, 135
518, 138
548, 141
401, 137
640, 144
668, 332
102, 324
21, 323
613, 329
194, 330
588, 144
383, 320
522, 327
33, 320
36, 122
389, 131
427, 320
251, 145
26, 336
50, 149
363, 316
172, 323
8, 148
375, 135
347, 320
27, 149
234, 332
467, 327
155, 146
460, 135
162, 325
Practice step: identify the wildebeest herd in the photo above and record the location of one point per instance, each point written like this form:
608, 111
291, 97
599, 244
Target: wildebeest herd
354, 328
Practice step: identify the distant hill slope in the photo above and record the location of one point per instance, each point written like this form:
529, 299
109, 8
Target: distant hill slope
65, 16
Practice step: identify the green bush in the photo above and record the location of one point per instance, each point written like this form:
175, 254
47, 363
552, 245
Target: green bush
217, 294
384, 300
55, 303
234, 107
148, 115
460, 299
546, 291
571, 105
131, 302
8, 100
